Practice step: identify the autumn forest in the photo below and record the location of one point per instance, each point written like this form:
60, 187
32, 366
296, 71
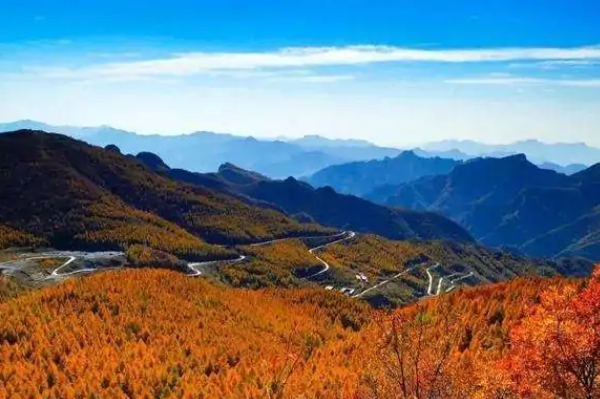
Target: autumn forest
148, 334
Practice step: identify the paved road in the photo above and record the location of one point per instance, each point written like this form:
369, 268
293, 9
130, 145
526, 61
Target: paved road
260, 244
18, 264
350, 235
452, 282
381, 284
195, 267
56, 274
430, 277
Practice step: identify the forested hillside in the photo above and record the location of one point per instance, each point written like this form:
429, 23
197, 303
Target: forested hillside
10, 237
449, 264
149, 333
74, 195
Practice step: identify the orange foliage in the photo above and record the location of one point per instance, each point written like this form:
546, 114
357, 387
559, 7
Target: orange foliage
159, 334
273, 265
556, 350
153, 333
10, 237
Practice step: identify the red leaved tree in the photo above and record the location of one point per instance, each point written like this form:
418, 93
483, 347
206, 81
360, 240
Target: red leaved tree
555, 352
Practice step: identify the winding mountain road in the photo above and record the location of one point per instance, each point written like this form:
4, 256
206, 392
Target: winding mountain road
430, 277
381, 284
350, 235
269, 242
343, 236
72, 256
194, 267
452, 282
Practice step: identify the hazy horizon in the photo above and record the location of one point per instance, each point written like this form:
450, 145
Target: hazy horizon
292, 138
394, 75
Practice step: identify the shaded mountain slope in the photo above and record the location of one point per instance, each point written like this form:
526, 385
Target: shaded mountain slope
349, 212
508, 202
330, 208
360, 178
581, 237
327, 207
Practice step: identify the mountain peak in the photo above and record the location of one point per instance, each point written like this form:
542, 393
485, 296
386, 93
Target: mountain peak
516, 158
153, 161
228, 166
407, 154
316, 141
113, 148
234, 174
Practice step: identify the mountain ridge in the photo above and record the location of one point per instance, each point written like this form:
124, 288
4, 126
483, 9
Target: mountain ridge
359, 178
539, 152
204, 151
507, 201
328, 207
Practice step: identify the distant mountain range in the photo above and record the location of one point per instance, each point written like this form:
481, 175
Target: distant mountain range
511, 202
66, 194
568, 170
538, 152
206, 151
363, 177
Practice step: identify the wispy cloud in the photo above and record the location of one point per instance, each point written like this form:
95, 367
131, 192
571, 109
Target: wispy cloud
496, 81
315, 78
569, 63
521, 81
580, 83
557, 64
197, 63
265, 75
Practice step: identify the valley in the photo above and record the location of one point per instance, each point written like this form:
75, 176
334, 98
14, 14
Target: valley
234, 226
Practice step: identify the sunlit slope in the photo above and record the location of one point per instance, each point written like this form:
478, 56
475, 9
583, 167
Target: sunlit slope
76, 195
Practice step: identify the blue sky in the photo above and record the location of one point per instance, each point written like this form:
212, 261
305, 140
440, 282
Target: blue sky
394, 72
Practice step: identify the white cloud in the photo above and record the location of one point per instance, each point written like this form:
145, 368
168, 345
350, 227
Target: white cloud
557, 64
580, 83
518, 81
569, 63
496, 81
314, 78
196, 63
270, 75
